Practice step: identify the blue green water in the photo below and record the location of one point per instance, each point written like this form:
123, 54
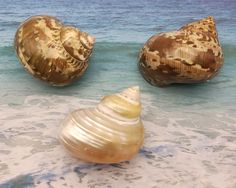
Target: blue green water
113, 67
194, 124
121, 28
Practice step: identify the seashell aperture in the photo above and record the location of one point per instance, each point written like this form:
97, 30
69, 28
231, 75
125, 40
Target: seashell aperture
51, 51
191, 54
109, 133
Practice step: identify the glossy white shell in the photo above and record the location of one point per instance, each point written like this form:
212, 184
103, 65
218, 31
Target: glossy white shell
109, 133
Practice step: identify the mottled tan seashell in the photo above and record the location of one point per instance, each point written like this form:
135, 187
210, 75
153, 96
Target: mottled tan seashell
51, 51
191, 54
109, 133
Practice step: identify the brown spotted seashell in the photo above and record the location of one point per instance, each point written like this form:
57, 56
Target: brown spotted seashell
191, 54
51, 51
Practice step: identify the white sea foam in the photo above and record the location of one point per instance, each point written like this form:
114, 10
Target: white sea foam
184, 150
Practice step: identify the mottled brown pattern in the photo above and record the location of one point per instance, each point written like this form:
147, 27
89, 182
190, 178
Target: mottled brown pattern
191, 54
53, 52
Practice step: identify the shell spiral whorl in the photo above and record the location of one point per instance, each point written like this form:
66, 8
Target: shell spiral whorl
51, 51
191, 54
109, 133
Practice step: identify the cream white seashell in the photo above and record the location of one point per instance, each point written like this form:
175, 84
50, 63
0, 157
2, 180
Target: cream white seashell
109, 133
52, 51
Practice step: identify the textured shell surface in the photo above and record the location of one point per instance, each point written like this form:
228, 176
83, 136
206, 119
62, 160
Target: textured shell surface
109, 133
51, 51
191, 54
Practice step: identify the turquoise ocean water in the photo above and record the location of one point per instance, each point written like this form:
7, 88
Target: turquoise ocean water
190, 138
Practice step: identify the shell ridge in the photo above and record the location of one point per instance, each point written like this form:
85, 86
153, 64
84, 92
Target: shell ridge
88, 136
108, 112
82, 121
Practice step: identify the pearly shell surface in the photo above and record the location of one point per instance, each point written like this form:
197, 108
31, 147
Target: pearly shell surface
51, 51
109, 133
191, 54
